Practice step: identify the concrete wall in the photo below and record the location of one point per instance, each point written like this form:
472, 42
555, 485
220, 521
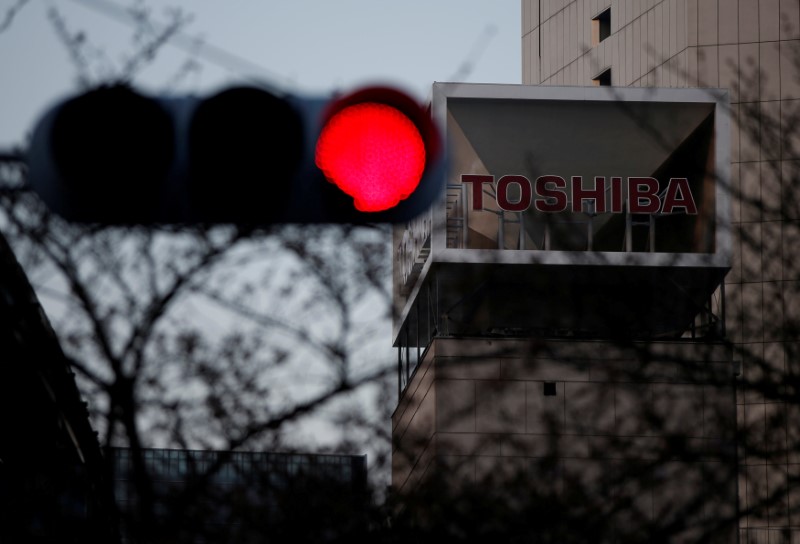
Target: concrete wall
476, 410
752, 48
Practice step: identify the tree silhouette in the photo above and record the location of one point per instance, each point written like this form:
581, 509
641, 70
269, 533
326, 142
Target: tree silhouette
204, 338
224, 339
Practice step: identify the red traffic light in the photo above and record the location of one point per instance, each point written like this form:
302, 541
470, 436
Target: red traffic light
375, 145
244, 155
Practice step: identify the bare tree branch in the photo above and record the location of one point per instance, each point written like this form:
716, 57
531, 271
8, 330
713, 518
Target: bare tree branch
11, 13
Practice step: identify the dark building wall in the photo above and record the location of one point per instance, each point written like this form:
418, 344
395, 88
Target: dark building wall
52, 480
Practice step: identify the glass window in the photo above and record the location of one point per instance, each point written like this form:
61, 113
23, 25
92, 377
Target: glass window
601, 26
603, 79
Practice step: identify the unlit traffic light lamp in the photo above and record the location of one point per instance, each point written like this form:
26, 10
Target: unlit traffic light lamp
243, 156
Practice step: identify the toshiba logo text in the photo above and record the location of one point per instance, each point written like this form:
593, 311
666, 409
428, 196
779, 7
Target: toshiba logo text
643, 195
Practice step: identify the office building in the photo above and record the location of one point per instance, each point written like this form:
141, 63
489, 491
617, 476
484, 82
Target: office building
560, 348
752, 49
575, 377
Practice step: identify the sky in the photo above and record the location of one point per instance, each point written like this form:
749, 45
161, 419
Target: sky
308, 47
300, 46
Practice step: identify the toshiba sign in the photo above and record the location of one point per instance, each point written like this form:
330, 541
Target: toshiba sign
563, 197
549, 194
569, 169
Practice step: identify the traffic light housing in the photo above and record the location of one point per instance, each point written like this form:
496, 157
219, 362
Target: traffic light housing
244, 155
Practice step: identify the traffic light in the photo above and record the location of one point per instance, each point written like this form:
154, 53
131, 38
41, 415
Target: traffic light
244, 155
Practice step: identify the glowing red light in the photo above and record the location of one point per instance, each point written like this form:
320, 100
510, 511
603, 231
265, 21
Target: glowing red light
372, 152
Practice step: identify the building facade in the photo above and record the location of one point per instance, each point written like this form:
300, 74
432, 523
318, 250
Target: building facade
561, 349
752, 49
615, 400
53, 480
